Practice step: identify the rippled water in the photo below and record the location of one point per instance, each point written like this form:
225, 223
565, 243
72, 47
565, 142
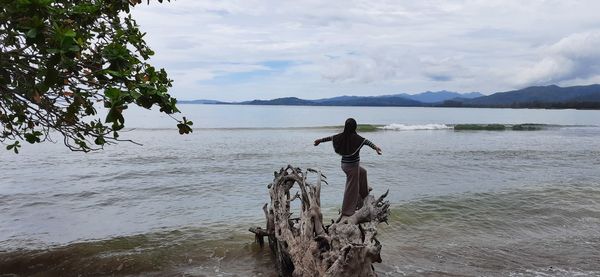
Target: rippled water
464, 203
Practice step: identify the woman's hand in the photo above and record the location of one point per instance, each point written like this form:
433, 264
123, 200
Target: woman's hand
317, 142
378, 150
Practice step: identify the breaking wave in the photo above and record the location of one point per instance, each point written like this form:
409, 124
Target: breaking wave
404, 127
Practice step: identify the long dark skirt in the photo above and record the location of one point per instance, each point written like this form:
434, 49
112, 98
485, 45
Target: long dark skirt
356, 187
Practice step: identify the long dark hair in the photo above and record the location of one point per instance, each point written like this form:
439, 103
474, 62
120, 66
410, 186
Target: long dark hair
348, 141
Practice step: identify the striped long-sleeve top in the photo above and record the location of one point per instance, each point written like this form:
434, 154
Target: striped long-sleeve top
354, 157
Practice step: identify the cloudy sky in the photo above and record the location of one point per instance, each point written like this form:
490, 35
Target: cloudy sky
246, 49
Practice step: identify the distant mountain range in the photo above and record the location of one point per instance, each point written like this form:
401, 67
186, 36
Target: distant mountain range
578, 97
439, 96
537, 97
402, 99
201, 101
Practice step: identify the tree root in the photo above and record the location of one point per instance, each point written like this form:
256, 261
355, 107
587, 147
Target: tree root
304, 246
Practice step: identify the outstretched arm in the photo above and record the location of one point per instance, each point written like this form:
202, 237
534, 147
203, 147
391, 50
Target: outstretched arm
323, 140
372, 145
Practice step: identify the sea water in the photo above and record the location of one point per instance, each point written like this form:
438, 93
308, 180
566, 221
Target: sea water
505, 203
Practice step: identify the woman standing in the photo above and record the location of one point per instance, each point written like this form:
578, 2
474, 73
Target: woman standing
348, 145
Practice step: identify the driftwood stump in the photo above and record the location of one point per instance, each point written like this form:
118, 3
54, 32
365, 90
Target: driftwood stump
304, 246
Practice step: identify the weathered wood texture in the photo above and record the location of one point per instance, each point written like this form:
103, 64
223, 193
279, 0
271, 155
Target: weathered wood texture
304, 246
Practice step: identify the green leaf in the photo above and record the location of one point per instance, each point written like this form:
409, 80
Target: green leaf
100, 140
15, 147
70, 33
74, 48
32, 137
114, 73
32, 33
51, 77
111, 116
112, 93
184, 129
135, 94
54, 51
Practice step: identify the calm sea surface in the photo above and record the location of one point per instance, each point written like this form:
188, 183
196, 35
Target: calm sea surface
493, 203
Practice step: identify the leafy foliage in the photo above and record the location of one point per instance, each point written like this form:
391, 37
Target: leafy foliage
61, 59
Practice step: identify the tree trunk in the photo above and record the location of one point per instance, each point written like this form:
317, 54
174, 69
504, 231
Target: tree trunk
303, 246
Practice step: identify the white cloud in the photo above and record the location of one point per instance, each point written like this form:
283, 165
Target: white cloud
374, 67
371, 47
575, 57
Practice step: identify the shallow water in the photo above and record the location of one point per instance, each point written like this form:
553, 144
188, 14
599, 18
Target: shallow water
464, 202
